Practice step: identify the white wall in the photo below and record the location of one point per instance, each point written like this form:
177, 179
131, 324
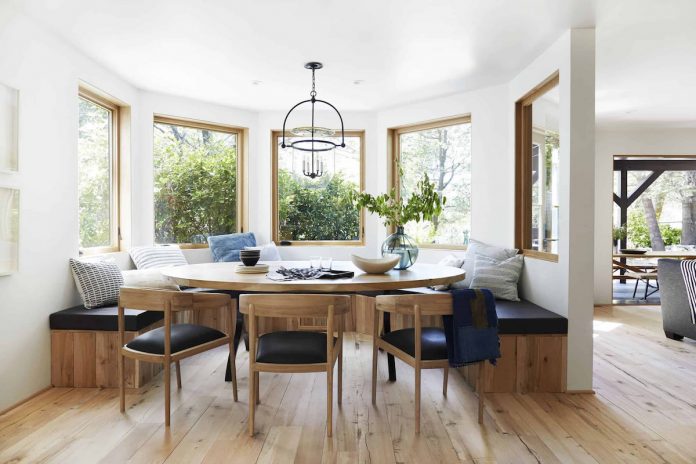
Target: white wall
47, 73
564, 286
624, 142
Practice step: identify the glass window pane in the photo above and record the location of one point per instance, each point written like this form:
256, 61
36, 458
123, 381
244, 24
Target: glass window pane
195, 183
320, 208
545, 159
444, 153
94, 155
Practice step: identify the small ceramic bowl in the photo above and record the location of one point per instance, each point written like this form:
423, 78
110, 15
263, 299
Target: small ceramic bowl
249, 260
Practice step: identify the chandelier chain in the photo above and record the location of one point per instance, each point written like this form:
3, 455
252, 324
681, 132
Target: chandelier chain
313, 93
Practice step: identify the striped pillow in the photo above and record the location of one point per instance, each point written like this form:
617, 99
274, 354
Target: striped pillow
156, 257
98, 282
500, 277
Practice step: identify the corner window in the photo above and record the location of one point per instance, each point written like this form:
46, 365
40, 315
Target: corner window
537, 170
318, 211
97, 167
197, 181
442, 150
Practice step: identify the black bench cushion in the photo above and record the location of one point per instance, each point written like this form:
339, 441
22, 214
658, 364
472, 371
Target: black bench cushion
106, 319
292, 348
433, 343
184, 336
519, 317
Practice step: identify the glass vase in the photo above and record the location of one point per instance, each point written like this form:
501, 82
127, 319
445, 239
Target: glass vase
402, 245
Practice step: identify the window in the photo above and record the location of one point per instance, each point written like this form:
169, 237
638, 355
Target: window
316, 211
97, 165
442, 150
197, 181
537, 170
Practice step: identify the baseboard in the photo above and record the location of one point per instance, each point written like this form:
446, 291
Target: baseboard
581, 392
21, 402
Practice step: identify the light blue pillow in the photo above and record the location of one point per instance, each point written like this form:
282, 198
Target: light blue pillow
226, 247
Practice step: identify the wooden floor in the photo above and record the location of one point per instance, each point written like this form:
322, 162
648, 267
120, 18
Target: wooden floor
644, 411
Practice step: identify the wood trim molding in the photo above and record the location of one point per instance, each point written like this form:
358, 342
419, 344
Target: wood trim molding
393, 156
523, 169
275, 220
28, 398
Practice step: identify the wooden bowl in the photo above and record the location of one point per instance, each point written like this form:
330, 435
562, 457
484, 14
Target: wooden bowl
375, 265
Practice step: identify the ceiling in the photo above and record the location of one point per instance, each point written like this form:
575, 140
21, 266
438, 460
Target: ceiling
250, 54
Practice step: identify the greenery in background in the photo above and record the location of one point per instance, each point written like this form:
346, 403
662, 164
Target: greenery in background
639, 235
195, 183
317, 209
619, 233
424, 204
444, 154
94, 174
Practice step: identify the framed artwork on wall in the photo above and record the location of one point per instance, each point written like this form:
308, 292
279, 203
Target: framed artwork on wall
9, 128
9, 230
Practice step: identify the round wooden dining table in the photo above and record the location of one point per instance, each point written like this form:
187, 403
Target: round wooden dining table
223, 276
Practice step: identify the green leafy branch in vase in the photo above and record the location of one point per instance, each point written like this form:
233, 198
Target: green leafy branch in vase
423, 205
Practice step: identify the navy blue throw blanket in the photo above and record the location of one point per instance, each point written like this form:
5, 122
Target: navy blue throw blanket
472, 330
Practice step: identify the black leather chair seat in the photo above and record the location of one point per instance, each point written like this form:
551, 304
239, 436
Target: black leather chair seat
103, 319
184, 336
292, 348
433, 343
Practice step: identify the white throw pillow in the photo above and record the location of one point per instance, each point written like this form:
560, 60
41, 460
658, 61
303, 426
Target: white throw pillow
155, 257
477, 248
452, 261
269, 252
148, 278
500, 277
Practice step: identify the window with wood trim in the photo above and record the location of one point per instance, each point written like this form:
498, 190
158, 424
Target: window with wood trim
442, 150
318, 211
197, 180
537, 152
98, 173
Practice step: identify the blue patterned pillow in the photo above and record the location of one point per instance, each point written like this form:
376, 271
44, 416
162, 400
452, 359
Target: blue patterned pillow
226, 247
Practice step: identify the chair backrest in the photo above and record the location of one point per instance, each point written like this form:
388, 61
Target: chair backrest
429, 304
294, 305
152, 299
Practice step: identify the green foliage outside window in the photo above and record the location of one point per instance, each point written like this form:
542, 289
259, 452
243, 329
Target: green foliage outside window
195, 183
639, 235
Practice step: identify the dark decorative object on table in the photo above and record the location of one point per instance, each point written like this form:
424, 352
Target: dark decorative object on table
250, 257
304, 273
632, 251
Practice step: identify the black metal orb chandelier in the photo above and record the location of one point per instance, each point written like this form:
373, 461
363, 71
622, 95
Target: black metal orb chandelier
313, 140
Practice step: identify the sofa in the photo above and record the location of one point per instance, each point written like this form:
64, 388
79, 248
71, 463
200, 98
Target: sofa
676, 313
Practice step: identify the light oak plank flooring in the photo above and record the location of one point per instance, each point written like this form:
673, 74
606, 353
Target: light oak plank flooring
644, 411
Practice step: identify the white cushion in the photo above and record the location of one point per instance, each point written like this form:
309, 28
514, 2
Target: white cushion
269, 251
500, 277
452, 261
148, 278
157, 257
477, 248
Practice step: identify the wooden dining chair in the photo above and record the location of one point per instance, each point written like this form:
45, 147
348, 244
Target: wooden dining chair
172, 342
419, 347
295, 351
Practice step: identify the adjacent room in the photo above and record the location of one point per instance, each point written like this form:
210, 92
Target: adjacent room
307, 231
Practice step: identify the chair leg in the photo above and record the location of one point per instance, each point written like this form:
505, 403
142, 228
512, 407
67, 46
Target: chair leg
122, 381
233, 368
444, 382
256, 387
482, 365
329, 400
374, 373
167, 393
418, 398
635, 289
252, 400
178, 375
339, 395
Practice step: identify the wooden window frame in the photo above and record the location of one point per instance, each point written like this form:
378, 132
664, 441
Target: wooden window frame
242, 137
523, 169
394, 146
115, 109
274, 196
